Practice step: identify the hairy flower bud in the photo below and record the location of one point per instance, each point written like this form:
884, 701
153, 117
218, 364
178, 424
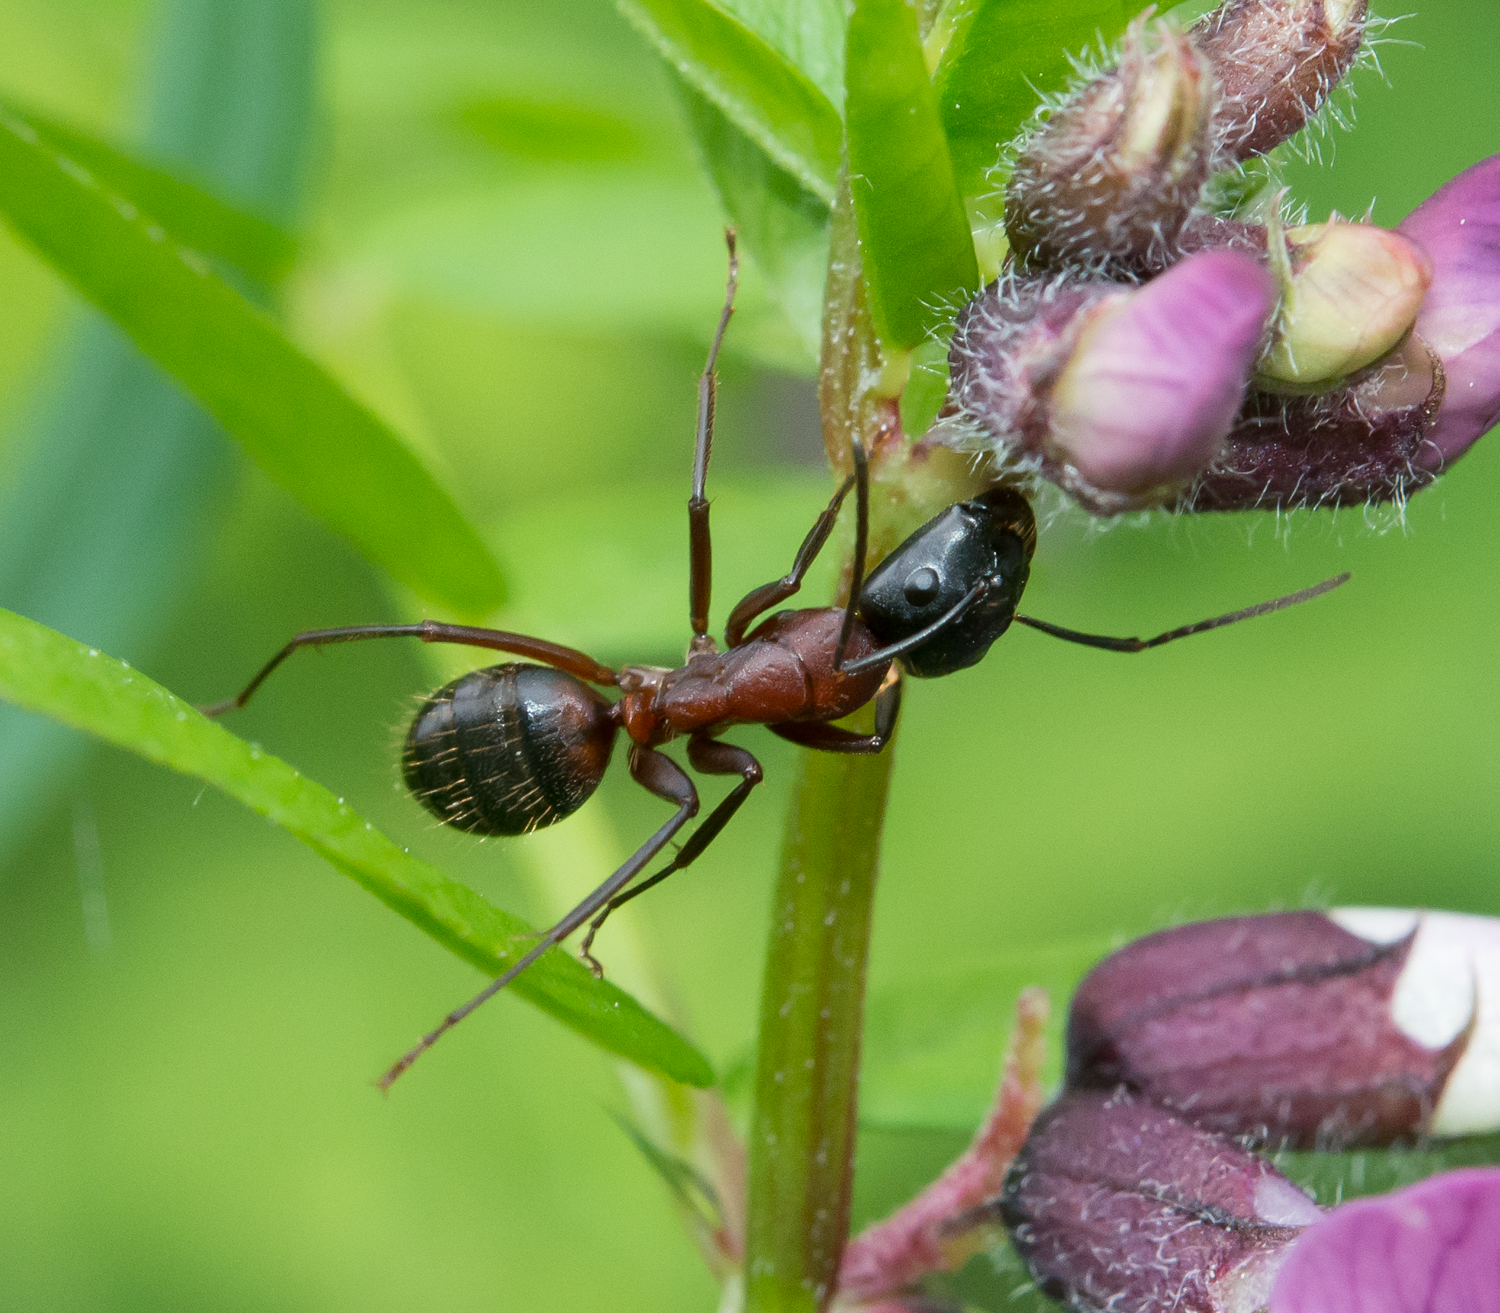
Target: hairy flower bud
1118, 393
1117, 1205
1275, 62
1313, 1030
1109, 178
1349, 293
1391, 429
1433, 1247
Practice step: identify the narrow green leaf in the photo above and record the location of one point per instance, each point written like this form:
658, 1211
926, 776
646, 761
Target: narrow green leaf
914, 235
809, 33
292, 418
997, 62
775, 104
48, 673
193, 215
782, 225
117, 478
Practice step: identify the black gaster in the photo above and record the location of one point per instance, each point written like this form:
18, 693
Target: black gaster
508, 749
988, 540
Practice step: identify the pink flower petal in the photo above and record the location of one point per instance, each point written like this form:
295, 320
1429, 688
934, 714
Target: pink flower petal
1459, 226
1431, 1248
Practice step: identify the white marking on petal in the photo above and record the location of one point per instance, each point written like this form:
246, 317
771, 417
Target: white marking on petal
1452, 978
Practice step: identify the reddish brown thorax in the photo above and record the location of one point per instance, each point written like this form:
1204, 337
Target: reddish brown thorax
783, 671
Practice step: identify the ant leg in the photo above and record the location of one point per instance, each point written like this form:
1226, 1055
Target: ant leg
431, 631
1186, 631
861, 544
830, 738
711, 758
700, 542
653, 771
762, 599
768, 595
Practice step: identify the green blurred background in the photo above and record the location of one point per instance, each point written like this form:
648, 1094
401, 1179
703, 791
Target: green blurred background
507, 248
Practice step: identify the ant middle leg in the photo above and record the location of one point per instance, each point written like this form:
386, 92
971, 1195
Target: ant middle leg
710, 757
430, 631
762, 599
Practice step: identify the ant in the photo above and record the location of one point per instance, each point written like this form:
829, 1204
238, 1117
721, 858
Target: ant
514, 747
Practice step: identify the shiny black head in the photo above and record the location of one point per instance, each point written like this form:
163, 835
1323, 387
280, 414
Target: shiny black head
986, 541
508, 749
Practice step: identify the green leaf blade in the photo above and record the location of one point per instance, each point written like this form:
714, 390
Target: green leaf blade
775, 104
782, 225
1000, 58
192, 214
914, 234
48, 673
293, 419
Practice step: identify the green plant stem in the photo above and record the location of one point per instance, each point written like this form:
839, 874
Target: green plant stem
812, 1004
802, 1137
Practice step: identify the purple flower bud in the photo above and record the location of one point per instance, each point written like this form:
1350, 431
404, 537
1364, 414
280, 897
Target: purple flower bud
1459, 227
1394, 427
1310, 1029
1275, 62
1118, 393
1433, 1247
1112, 173
1116, 1205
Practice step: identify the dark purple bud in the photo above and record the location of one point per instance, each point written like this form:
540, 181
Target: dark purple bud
1119, 1206
1110, 176
1119, 393
1288, 1026
1275, 62
1433, 1247
1459, 227
1364, 442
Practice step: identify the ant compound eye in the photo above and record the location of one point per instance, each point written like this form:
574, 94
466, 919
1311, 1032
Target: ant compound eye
922, 586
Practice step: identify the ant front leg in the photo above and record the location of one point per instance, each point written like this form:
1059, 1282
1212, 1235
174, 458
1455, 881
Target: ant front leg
830, 738
710, 757
762, 599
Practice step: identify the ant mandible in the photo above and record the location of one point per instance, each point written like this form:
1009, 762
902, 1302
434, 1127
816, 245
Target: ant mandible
514, 747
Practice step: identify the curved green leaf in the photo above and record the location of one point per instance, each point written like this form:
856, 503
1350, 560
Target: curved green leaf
774, 104
1000, 57
117, 477
809, 33
45, 672
193, 215
294, 420
914, 235
781, 223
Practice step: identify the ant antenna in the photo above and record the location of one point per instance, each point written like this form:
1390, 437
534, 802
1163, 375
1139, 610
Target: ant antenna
1218, 621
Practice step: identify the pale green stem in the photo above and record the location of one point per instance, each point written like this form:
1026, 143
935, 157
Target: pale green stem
802, 1132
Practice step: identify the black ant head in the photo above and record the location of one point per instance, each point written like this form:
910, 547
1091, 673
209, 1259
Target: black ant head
978, 550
